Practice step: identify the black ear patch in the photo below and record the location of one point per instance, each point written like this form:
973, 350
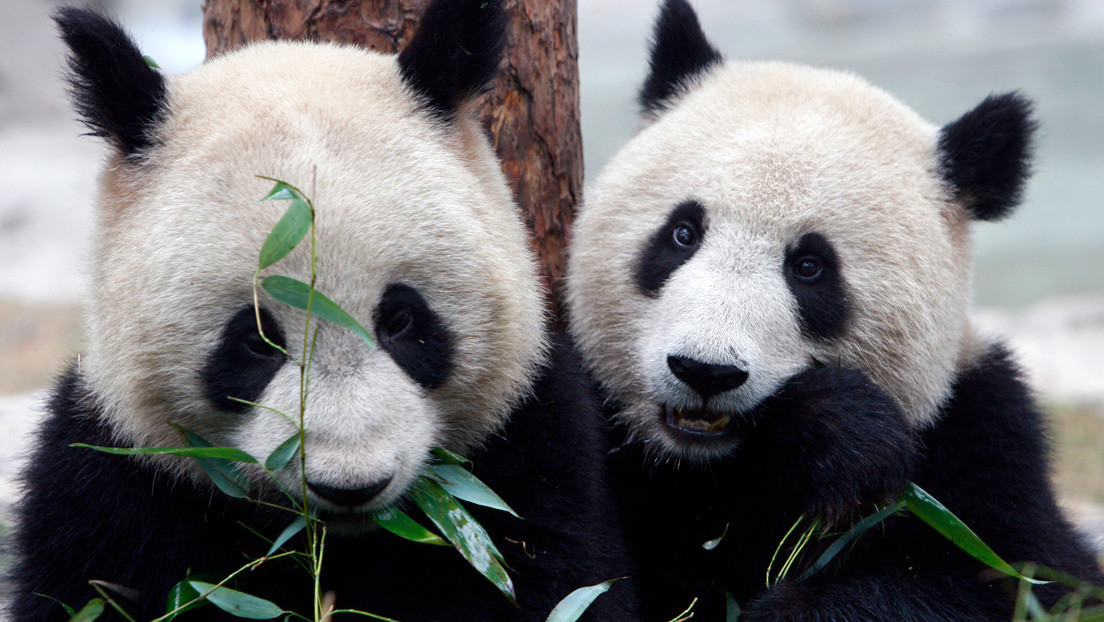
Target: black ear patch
118, 96
679, 53
455, 53
987, 155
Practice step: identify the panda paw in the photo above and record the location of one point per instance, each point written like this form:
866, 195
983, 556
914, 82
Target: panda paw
840, 441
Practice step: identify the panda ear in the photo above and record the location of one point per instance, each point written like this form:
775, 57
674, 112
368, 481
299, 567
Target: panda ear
455, 53
987, 155
118, 96
679, 53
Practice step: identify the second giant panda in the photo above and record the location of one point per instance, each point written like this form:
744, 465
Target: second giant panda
771, 281
417, 237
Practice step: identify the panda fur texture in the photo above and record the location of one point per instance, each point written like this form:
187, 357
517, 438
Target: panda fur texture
418, 237
771, 282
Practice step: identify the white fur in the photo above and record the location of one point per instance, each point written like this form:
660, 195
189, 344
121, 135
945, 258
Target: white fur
399, 198
773, 151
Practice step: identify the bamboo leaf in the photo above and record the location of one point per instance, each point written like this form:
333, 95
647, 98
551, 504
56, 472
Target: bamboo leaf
224, 453
709, 545
297, 525
288, 232
932, 512
72, 612
237, 603
222, 472
850, 536
574, 604
462, 530
732, 608
460, 483
296, 293
283, 454
180, 595
400, 524
90, 611
280, 191
152, 64
440, 455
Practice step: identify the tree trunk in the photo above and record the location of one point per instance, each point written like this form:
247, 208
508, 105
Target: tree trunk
532, 113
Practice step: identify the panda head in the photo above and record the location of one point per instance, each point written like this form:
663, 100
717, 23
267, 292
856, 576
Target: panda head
770, 217
418, 238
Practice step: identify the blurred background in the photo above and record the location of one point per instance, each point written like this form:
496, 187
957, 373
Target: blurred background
1040, 275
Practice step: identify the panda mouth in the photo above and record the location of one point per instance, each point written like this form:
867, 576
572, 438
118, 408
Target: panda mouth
696, 423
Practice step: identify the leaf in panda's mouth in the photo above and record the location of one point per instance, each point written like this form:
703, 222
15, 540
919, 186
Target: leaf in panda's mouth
697, 422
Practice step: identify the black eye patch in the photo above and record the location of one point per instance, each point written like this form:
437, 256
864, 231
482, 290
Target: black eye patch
243, 364
414, 336
672, 245
812, 272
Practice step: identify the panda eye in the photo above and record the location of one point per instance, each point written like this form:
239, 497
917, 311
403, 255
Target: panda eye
684, 235
808, 268
255, 345
398, 323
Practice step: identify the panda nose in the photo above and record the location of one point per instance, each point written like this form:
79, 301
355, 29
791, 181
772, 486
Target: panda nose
708, 379
349, 497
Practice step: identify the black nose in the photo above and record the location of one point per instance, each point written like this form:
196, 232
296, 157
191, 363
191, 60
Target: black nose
707, 379
349, 497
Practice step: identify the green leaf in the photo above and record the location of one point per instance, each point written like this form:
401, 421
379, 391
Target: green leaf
180, 595
462, 530
150, 62
72, 612
225, 453
222, 472
282, 190
400, 524
238, 603
572, 607
296, 293
287, 233
279, 458
852, 534
732, 608
91, 611
297, 525
440, 455
932, 512
709, 545
460, 483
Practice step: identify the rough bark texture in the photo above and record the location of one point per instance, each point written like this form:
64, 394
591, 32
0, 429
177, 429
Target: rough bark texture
532, 113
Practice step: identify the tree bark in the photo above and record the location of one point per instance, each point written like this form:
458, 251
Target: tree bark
532, 113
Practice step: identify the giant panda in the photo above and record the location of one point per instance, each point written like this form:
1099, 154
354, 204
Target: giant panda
771, 282
417, 237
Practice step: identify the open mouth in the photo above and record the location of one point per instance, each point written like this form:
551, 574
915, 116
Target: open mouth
702, 424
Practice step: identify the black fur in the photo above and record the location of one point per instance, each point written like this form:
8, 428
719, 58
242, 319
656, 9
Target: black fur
118, 96
87, 515
414, 336
243, 364
663, 254
987, 155
679, 53
455, 53
828, 440
821, 301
